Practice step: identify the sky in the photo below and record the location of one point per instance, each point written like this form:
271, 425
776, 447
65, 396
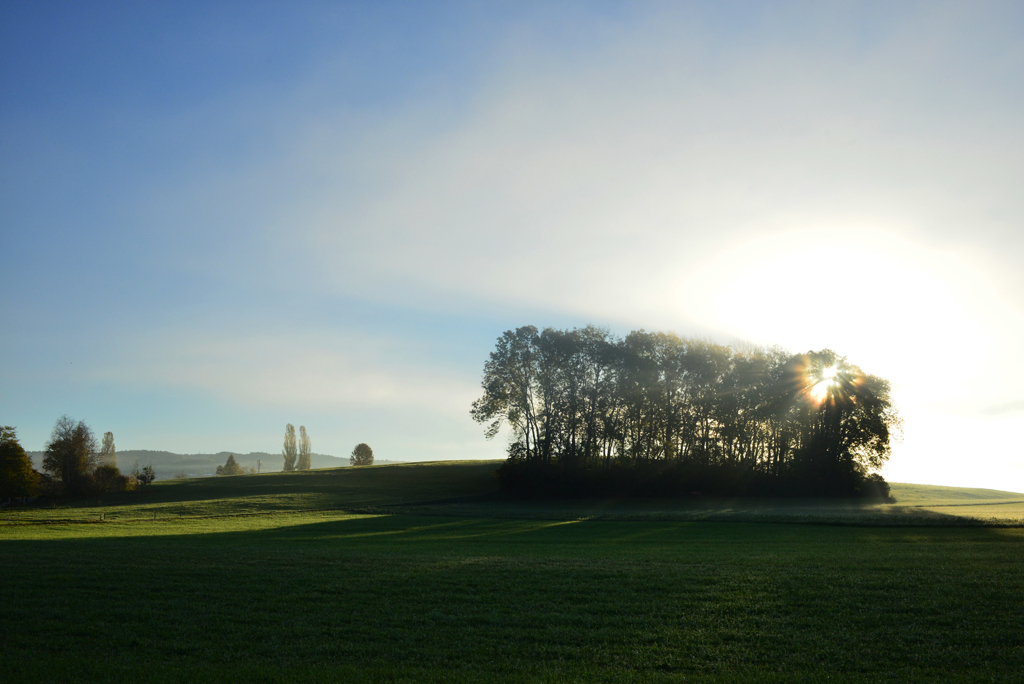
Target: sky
219, 218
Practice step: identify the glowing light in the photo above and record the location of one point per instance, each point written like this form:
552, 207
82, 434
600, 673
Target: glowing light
759, 291
829, 378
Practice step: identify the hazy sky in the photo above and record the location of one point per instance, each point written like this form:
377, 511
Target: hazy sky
219, 218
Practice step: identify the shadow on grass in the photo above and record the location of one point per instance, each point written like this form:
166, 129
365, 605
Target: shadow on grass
482, 596
822, 511
417, 534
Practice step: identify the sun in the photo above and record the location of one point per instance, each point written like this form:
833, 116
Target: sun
821, 389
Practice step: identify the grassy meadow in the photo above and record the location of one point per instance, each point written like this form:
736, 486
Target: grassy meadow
414, 573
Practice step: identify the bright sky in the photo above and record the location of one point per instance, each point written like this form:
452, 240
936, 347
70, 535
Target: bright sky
218, 218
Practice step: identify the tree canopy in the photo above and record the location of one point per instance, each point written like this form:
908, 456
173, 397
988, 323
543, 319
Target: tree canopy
17, 478
71, 454
762, 420
362, 454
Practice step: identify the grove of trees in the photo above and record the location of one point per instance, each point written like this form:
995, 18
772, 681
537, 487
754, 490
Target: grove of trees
73, 462
362, 454
230, 467
654, 413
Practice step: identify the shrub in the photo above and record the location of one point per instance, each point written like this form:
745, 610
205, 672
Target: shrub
146, 475
107, 479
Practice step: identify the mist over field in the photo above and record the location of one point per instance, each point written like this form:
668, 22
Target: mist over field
167, 464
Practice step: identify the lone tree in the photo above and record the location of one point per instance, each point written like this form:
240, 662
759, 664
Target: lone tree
290, 451
108, 455
70, 453
231, 467
305, 453
361, 455
147, 475
17, 478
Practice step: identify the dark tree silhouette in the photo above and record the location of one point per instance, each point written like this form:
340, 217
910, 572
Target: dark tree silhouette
745, 418
17, 478
71, 454
107, 479
146, 476
362, 454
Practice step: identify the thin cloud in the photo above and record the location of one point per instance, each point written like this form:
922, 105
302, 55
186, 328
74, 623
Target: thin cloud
297, 370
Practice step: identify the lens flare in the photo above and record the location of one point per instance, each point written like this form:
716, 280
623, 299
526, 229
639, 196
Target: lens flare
829, 378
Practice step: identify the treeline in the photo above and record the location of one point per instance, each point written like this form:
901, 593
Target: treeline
654, 413
75, 463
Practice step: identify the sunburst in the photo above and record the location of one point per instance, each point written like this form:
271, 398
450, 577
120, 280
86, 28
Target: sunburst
828, 379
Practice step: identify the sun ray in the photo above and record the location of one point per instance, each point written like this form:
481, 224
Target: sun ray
826, 381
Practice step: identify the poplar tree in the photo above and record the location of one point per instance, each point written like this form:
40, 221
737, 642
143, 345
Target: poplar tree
305, 446
290, 451
108, 455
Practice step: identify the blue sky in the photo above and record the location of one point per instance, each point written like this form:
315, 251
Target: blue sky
219, 218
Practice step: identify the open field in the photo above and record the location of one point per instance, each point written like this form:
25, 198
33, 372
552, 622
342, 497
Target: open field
915, 505
337, 488
224, 593
467, 489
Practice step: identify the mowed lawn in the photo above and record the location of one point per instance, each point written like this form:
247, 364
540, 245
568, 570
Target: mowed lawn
336, 596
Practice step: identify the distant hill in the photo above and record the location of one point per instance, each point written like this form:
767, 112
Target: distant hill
168, 464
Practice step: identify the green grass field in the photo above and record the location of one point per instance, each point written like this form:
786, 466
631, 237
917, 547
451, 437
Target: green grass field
237, 579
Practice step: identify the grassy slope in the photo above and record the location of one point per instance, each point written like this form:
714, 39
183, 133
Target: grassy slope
413, 483
935, 495
332, 596
275, 492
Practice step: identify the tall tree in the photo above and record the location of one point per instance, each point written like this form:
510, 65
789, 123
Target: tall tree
510, 391
71, 453
305, 450
108, 456
17, 478
361, 455
290, 451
